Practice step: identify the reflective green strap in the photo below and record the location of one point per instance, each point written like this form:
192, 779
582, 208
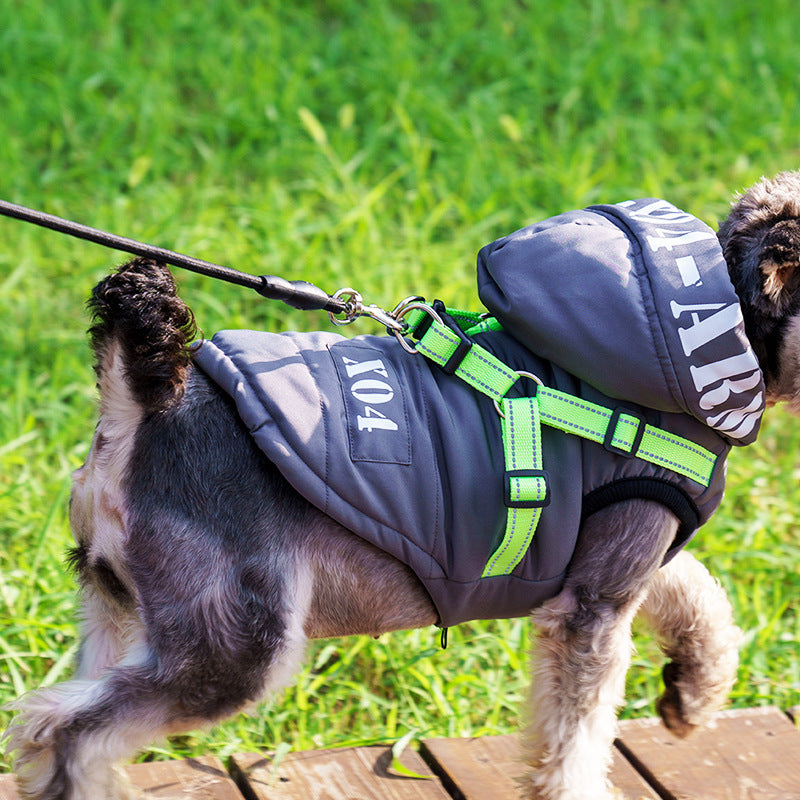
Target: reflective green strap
591, 421
526, 486
484, 325
478, 367
465, 319
630, 435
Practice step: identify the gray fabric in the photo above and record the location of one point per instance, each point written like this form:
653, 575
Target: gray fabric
428, 491
412, 460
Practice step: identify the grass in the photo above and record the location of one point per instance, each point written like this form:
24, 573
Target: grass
378, 145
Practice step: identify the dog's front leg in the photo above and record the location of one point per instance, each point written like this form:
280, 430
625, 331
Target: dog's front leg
693, 621
583, 649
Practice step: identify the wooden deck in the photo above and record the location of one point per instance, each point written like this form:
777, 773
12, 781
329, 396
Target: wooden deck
753, 754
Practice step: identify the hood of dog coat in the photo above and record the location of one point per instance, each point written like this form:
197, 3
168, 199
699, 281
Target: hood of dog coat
411, 459
635, 299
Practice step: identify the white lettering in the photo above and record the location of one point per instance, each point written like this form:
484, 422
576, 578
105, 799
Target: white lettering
673, 239
659, 213
368, 390
374, 419
690, 274
726, 387
711, 373
709, 328
360, 367
738, 422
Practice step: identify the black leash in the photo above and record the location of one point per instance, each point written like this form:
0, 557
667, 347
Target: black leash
297, 294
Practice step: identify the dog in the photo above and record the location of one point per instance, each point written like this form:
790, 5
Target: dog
204, 572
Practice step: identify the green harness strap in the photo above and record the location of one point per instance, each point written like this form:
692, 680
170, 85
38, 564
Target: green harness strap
526, 487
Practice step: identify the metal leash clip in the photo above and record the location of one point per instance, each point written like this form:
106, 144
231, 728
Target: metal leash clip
392, 320
355, 308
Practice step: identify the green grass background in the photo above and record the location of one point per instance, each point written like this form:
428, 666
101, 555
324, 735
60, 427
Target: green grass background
375, 144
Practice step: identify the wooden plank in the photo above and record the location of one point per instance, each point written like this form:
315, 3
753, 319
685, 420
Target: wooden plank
354, 773
492, 767
197, 778
752, 753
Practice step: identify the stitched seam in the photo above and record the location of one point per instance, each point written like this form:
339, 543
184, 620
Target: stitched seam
664, 437
490, 390
573, 402
509, 534
518, 484
499, 369
496, 367
681, 469
573, 426
683, 443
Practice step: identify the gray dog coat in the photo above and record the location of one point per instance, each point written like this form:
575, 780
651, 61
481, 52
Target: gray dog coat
623, 306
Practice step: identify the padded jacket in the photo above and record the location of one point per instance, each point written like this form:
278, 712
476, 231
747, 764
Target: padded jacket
626, 305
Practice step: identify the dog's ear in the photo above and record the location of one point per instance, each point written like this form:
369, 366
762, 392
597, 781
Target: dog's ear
779, 261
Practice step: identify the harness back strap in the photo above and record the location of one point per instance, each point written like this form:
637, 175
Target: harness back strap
623, 431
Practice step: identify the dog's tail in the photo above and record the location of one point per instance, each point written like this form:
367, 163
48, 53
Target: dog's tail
138, 315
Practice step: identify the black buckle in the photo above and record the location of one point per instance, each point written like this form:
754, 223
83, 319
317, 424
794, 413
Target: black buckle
464, 346
423, 326
454, 362
612, 429
526, 473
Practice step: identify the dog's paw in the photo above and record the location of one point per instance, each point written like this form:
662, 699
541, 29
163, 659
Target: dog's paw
29, 741
39, 779
48, 756
671, 707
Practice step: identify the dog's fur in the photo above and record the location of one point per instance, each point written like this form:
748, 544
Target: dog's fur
203, 572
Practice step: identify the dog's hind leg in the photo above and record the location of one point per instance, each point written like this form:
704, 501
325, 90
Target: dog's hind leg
693, 621
583, 649
66, 739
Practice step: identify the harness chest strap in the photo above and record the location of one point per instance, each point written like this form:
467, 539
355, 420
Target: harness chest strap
619, 430
526, 484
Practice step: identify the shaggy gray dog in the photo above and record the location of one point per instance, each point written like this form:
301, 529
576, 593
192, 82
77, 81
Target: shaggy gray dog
204, 573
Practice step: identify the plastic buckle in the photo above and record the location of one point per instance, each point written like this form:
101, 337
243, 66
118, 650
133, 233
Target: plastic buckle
423, 326
465, 344
459, 354
611, 430
526, 473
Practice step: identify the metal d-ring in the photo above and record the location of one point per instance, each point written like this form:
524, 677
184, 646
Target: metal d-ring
401, 309
522, 374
